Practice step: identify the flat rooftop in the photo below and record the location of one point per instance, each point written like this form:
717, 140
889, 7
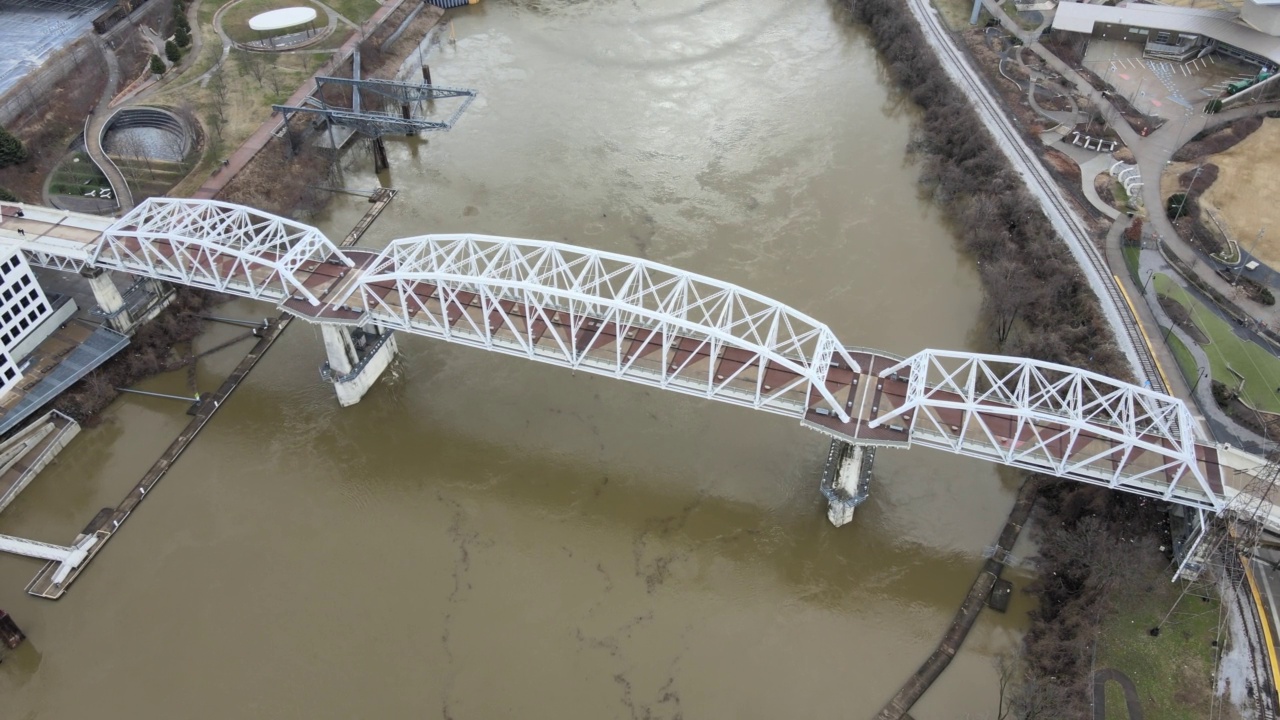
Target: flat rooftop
33, 30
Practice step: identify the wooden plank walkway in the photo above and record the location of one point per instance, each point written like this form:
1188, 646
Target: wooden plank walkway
967, 615
380, 199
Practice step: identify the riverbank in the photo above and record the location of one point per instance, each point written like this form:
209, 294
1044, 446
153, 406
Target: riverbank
1006, 230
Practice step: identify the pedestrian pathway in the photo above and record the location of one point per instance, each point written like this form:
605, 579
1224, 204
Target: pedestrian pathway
1131, 701
97, 122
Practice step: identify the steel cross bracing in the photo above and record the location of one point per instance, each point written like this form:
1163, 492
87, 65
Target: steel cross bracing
398, 92
603, 313
657, 325
1056, 419
218, 246
367, 122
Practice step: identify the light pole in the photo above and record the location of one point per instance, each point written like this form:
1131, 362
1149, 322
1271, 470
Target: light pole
1150, 274
1199, 377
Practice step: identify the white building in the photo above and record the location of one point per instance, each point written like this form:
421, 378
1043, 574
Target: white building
23, 312
1178, 33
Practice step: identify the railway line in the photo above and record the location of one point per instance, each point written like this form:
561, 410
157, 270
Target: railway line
1044, 187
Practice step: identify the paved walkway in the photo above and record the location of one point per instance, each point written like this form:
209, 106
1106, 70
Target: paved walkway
1152, 154
93, 130
1131, 700
1222, 427
1089, 170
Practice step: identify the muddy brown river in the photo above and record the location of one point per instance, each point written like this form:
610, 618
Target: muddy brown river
484, 537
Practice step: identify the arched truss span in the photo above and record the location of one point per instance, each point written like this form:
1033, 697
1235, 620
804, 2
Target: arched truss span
604, 313
1059, 420
216, 245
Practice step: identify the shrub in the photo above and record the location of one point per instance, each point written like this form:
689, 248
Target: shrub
1222, 395
1133, 233
12, 151
7, 194
157, 65
182, 37
172, 51
1177, 206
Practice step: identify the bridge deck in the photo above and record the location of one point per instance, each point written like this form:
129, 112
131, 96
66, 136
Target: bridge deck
690, 362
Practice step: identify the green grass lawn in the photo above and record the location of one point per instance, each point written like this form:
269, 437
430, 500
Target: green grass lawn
357, 11
955, 13
1259, 368
1172, 672
1186, 362
77, 178
1012, 12
1131, 261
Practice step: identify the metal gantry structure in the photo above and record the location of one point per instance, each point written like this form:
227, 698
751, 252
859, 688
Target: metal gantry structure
657, 325
401, 112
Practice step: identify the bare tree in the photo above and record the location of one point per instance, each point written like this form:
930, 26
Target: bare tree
218, 86
251, 63
1010, 289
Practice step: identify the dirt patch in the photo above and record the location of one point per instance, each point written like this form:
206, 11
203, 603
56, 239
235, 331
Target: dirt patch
1245, 191
1182, 318
1062, 164
1103, 184
1218, 139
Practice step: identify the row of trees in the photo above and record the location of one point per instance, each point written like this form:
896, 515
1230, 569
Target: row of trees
177, 46
1039, 305
12, 151
1038, 302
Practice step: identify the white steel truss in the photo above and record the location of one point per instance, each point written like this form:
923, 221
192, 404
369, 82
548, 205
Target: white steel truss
216, 245
604, 313
1055, 419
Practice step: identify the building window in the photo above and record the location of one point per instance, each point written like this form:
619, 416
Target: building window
1162, 38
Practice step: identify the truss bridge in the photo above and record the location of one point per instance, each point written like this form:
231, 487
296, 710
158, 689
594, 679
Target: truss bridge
648, 323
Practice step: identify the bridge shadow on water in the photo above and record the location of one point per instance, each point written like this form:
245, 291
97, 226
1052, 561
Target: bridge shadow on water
674, 523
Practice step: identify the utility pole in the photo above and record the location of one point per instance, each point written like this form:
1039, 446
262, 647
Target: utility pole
1240, 267
1190, 186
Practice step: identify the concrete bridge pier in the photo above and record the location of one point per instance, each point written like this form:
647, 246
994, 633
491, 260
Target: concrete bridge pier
356, 358
847, 479
109, 299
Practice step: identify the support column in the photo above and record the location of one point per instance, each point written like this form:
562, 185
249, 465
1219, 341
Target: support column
846, 479
380, 161
353, 367
108, 298
11, 635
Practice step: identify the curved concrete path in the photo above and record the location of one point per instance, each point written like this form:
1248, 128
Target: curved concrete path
93, 131
1090, 170
1100, 679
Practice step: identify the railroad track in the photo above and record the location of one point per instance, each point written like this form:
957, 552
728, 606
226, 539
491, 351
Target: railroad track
1101, 279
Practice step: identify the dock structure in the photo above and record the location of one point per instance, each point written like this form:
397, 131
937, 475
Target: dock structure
52, 581
381, 198
25, 454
